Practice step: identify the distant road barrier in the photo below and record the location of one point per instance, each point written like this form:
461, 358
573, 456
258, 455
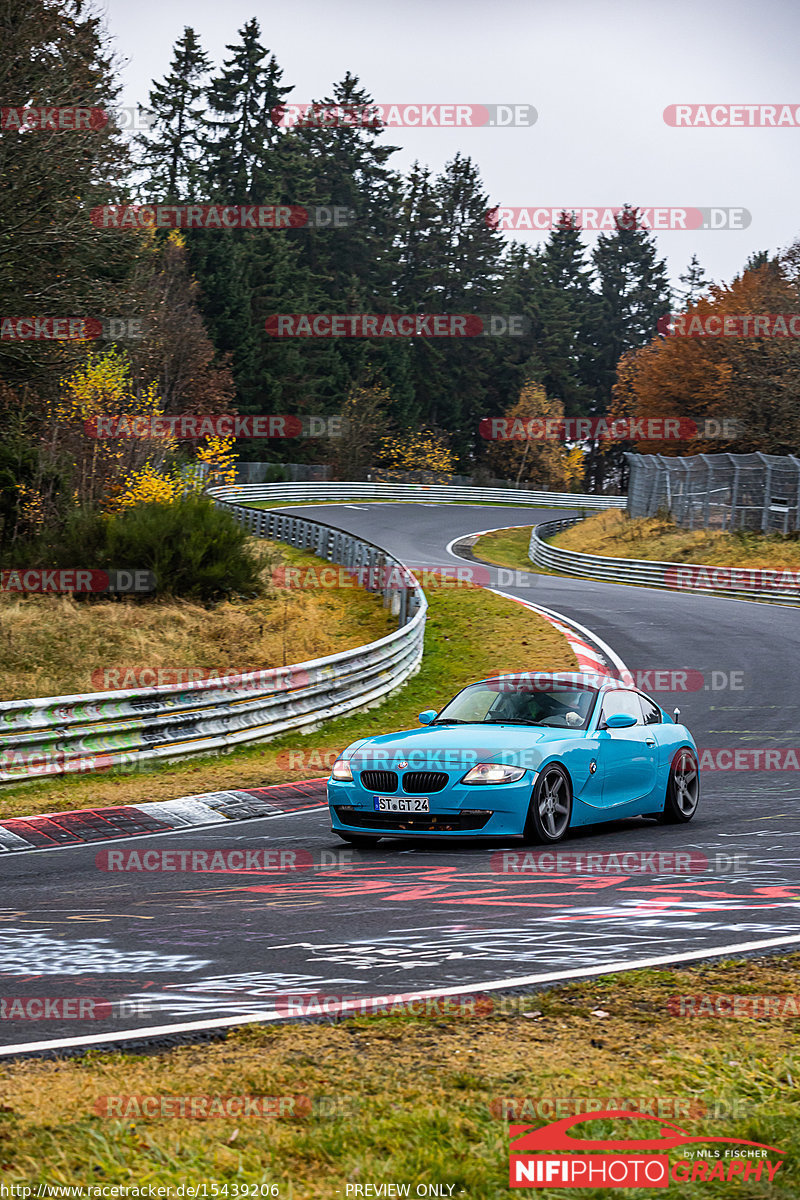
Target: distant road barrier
776, 586
331, 493
60, 735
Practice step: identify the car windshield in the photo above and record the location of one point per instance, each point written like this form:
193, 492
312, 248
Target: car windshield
508, 701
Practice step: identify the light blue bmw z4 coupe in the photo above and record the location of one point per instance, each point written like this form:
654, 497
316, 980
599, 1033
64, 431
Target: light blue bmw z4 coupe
528, 756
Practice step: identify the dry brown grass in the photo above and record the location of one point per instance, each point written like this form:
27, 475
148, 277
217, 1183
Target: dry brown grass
55, 645
613, 533
469, 635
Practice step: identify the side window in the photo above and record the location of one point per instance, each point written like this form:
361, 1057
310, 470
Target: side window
621, 702
650, 711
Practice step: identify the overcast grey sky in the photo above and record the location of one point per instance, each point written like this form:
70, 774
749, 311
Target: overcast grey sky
599, 73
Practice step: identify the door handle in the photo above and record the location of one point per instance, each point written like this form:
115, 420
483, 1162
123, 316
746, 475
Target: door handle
650, 741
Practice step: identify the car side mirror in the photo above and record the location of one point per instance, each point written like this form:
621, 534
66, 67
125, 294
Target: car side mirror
427, 716
620, 721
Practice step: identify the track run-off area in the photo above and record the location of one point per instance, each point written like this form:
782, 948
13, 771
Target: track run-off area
158, 956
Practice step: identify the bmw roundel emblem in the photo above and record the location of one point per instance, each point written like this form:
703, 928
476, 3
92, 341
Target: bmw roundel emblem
402, 764
592, 767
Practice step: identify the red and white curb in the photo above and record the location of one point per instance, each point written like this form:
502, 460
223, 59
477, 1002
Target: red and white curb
52, 831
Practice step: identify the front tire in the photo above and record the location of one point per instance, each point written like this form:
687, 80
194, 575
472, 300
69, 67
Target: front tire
361, 841
550, 809
683, 789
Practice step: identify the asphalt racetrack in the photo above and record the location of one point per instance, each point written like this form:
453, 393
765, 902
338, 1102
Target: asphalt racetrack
172, 953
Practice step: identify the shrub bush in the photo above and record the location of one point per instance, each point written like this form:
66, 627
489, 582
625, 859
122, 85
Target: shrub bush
196, 551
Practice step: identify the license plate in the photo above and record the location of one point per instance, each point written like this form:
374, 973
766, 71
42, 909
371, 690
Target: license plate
409, 804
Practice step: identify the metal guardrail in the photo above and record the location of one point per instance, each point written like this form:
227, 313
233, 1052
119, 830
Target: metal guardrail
59, 735
253, 493
778, 587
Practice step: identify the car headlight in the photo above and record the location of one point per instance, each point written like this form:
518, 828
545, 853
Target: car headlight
341, 771
493, 773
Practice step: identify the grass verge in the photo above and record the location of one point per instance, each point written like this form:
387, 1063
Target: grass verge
470, 633
506, 548
425, 1099
615, 534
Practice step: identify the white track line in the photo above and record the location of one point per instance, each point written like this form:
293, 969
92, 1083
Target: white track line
477, 988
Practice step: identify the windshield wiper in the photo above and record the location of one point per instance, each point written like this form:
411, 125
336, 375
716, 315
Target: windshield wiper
509, 721
453, 721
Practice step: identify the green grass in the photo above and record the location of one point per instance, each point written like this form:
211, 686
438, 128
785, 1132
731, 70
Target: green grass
413, 1099
506, 548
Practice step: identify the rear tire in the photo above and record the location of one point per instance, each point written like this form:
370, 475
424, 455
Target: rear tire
550, 809
683, 789
361, 841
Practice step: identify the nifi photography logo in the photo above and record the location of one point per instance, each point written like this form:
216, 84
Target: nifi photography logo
620, 1162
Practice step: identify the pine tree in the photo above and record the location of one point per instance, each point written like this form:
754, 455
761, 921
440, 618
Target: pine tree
241, 130
352, 268
457, 268
634, 293
696, 283
570, 317
171, 150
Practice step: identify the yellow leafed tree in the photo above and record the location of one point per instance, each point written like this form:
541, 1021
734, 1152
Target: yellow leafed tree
102, 387
421, 450
538, 463
218, 456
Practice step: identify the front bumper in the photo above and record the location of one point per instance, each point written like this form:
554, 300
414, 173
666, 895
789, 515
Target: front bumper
457, 811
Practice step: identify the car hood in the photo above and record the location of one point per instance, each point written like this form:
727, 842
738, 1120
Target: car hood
436, 745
